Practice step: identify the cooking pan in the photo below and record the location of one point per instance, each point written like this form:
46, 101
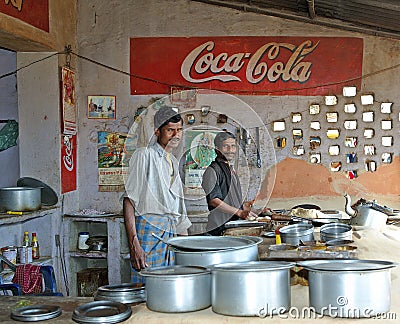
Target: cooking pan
349, 288
177, 289
20, 199
48, 198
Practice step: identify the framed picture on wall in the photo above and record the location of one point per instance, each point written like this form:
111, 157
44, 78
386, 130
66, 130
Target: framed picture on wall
102, 107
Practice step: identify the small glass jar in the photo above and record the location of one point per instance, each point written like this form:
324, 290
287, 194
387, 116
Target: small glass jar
82, 238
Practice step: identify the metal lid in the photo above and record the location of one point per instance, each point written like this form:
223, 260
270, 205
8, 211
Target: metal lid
174, 271
347, 265
49, 196
102, 311
253, 266
36, 313
210, 243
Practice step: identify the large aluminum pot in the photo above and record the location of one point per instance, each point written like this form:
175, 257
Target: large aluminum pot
209, 257
257, 288
349, 288
335, 231
177, 289
20, 199
292, 234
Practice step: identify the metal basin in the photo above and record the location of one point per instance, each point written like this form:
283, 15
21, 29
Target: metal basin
20, 199
206, 258
292, 234
349, 288
336, 231
251, 289
177, 289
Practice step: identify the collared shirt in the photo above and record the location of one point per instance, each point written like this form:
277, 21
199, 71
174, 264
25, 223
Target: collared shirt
151, 189
220, 181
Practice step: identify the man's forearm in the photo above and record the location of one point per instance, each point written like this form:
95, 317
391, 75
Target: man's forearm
224, 207
129, 217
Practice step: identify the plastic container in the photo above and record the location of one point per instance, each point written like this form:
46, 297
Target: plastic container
82, 238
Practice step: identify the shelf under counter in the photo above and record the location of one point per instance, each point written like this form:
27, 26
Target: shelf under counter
13, 219
89, 255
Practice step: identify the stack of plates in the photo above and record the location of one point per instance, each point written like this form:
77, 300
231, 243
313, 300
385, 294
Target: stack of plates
103, 311
126, 293
35, 313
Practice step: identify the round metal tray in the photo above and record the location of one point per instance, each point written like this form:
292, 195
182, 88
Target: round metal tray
102, 311
36, 313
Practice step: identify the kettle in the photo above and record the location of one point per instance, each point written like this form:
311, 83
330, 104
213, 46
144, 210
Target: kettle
366, 213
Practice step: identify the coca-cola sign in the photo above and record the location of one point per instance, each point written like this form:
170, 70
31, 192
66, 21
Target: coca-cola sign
68, 163
35, 13
246, 65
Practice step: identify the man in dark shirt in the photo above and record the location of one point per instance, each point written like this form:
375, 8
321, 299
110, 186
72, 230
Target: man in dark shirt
222, 186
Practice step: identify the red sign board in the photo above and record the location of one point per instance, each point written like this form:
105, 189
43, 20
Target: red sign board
68, 163
246, 65
33, 12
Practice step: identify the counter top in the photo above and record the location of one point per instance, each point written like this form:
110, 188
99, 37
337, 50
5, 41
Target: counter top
372, 245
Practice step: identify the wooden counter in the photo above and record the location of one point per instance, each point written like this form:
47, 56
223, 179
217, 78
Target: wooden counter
372, 245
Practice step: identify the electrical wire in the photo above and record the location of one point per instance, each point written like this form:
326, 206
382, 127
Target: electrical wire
69, 52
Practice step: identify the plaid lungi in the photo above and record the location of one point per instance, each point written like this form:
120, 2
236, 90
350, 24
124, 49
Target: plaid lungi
157, 252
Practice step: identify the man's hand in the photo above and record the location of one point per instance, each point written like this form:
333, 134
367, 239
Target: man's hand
137, 255
246, 214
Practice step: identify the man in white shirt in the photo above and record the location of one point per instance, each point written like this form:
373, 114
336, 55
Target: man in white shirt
154, 201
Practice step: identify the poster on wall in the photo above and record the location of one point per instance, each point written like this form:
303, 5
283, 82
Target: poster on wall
101, 107
113, 155
199, 148
68, 163
69, 111
246, 65
35, 13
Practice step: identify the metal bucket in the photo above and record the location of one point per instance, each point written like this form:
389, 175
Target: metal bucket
334, 231
292, 234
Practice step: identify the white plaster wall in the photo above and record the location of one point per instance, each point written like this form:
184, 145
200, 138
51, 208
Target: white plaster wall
8, 110
104, 29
